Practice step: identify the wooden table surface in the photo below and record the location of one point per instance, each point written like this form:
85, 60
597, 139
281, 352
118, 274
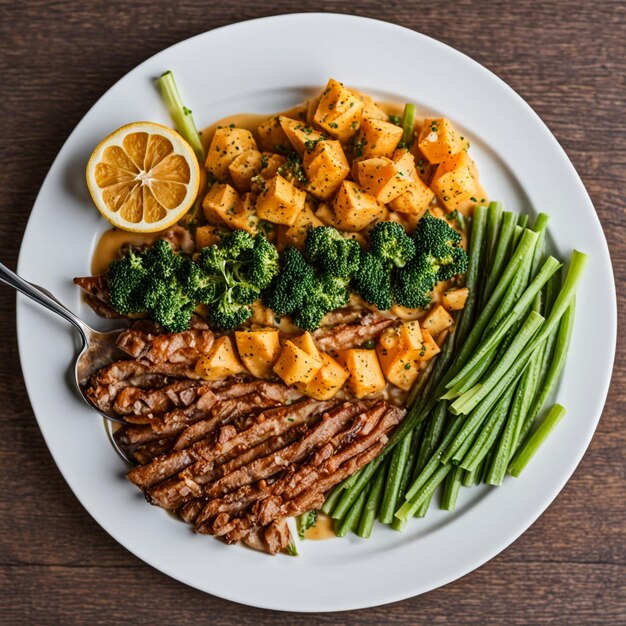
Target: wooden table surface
57, 566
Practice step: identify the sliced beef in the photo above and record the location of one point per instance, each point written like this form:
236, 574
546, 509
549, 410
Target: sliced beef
332, 339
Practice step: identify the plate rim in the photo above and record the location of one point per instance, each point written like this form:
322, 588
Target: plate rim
530, 519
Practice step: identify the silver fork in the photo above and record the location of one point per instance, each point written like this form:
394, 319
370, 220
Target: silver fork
98, 348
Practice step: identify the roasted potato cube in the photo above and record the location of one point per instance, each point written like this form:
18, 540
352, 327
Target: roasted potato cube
355, 208
296, 235
247, 165
436, 320
339, 111
294, 365
208, 235
271, 136
259, 350
387, 347
221, 361
403, 369
416, 199
366, 377
326, 167
439, 140
455, 181
280, 202
454, 299
383, 178
376, 138
328, 380
227, 144
298, 133
311, 107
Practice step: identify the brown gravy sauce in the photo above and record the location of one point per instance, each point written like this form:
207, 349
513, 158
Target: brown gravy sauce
111, 241
323, 528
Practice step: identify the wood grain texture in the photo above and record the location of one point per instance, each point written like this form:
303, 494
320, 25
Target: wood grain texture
566, 58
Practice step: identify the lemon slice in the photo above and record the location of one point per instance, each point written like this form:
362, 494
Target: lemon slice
143, 177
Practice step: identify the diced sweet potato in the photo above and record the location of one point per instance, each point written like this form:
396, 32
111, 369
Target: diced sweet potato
311, 107
372, 110
294, 365
382, 178
417, 197
377, 138
259, 350
222, 204
221, 199
400, 351
423, 167
326, 167
296, 235
429, 346
271, 136
454, 299
355, 208
244, 167
328, 380
208, 235
455, 181
227, 144
221, 361
338, 111
436, 320
410, 335
438, 139
366, 376
298, 133
306, 342
280, 202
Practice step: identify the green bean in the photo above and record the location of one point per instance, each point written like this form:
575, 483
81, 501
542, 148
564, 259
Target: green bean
563, 340
489, 433
466, 402
451, 488
397, 463
370, 510
426, 491
522, 220
331, 499
469, 346
501, 253
529, 449
350, 521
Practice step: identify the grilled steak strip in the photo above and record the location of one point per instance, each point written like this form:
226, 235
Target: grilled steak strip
268, 424
297, 479
274, 508
343, 336
172, 493
185, 347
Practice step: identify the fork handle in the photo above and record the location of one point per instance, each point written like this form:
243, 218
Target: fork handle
42, 297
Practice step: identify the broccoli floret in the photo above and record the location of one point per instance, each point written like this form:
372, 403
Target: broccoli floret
373, 281
288, 290
412, 284
169, 304
239, 267
327, 293
329, 251
439, 257
437, 240
153, 282
198, 284
125, 280
391, 243
263, 262
227, 312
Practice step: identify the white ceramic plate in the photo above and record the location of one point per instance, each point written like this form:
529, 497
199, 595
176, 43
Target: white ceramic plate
265, 66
